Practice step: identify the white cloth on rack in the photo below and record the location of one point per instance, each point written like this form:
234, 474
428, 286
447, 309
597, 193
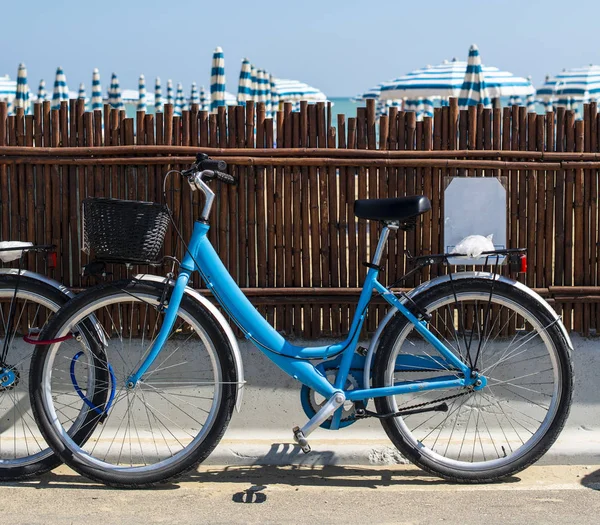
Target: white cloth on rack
474, 245
12, 255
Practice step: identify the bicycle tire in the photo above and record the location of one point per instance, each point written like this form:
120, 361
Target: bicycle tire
417, 437
98, 457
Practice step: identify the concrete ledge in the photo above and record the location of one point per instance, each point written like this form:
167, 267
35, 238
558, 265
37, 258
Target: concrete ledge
261, 434
572, 448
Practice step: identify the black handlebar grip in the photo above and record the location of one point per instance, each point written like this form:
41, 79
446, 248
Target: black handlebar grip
225, 177
214, 165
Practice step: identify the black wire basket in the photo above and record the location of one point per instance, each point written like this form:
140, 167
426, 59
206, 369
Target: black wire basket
123, 231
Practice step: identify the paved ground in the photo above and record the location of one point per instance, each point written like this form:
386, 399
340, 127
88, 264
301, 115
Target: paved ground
332, 494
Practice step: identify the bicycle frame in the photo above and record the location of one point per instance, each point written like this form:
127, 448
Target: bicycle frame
292, 359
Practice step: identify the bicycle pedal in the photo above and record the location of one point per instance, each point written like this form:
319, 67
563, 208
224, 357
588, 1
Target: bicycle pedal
300, 438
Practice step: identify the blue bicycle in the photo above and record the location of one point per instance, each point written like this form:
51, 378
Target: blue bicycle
470, 373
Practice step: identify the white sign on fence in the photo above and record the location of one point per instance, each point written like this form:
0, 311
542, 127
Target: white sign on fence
474, 206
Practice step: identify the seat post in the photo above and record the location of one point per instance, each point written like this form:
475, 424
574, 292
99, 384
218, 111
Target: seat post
392, 225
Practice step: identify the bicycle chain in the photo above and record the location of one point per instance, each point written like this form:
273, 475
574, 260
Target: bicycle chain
369, 413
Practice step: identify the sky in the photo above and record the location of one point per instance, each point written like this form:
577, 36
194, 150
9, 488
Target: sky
340, 47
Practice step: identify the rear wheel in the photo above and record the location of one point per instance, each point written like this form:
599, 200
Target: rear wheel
511, 422
166, 424
23, 450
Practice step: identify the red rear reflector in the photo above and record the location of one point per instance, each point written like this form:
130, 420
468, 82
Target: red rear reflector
51, 259
523, 264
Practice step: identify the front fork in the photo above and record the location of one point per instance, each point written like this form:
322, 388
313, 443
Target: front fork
168, 323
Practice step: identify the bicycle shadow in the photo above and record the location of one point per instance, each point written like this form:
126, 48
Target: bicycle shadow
286, 464
72, 480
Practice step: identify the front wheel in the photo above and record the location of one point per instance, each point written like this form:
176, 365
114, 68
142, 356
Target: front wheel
487, 434
163, 426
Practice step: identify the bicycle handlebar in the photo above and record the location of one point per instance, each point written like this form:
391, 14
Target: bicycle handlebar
209, 169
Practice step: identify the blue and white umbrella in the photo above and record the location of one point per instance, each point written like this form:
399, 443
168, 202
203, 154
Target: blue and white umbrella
179, 101
158, 103
170, 97
194, 97
254, 84
22, 95
217, 80
410, 105
445, 80
204, 101
578, 84
41, 94
114, 93
141, 105
293, 90
420, 109
383, 106
81, 93
61, 90
96, 90
474, 90
264, 90
274, 95
428, 107
245, 83
515, 101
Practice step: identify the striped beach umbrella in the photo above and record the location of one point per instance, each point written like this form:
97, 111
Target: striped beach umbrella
170, 97
204, 101
420, 109
274, 95
294, 90
530, 100
515, 101
22, 95
81, 92
61, 90
578, 84
116, 92
158, 103
179, 101
428, 107
194, 97
473, 90
445, 80
141, 105
217, 80
254, 83
245, 83
264, 90
96, 90
571, 88
41, 94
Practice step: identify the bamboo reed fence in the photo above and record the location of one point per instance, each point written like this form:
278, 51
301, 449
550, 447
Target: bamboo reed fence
287, 232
